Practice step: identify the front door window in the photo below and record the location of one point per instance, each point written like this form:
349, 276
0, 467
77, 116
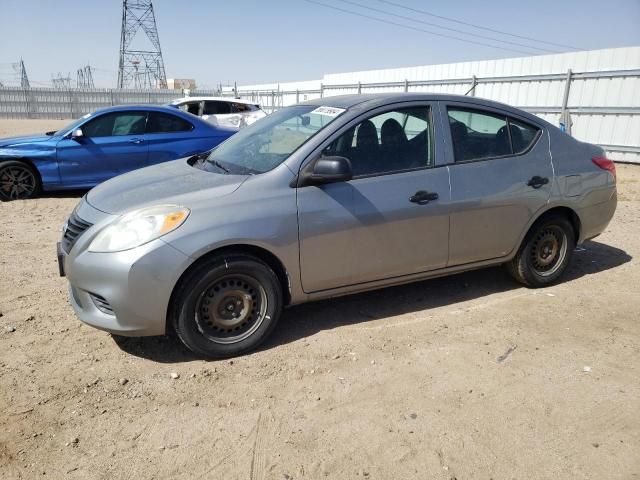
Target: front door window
393, 141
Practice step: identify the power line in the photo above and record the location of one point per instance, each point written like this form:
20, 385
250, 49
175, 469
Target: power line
390, 22
403, 17
424, 12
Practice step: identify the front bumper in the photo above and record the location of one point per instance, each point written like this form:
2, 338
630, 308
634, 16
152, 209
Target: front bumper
126, 293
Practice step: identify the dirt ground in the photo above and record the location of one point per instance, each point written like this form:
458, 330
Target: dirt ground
466, 377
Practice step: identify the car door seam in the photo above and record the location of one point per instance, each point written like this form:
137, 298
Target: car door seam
553, 169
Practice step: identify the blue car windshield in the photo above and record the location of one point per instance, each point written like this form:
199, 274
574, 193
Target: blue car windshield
267, 143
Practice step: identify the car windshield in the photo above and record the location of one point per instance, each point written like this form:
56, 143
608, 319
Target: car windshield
267, 143
72, 125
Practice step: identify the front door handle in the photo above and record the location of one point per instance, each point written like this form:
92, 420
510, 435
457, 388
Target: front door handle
537, 182
136, 140
422, 197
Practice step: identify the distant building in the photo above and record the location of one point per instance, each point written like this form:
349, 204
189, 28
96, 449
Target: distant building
181, 83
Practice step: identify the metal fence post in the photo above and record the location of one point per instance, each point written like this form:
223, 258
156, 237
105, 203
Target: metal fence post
406, 85
359, 88
474, 82
71, 103
321, 90
297, 95
27, 103
564, 112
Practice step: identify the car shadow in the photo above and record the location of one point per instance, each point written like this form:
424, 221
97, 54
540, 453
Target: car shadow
305, 320
64, 193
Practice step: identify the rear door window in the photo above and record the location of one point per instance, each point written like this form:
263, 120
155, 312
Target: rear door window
215, 107
165, 123
522, 135
240, 108
478, 135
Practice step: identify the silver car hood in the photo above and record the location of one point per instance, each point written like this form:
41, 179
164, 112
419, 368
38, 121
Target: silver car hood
164, 183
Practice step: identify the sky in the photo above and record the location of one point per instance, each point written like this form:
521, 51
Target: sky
253, 41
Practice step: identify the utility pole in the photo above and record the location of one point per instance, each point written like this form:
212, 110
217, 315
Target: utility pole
140, 68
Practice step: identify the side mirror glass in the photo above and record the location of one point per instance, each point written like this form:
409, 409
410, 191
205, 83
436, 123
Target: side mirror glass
77, 133
329, 170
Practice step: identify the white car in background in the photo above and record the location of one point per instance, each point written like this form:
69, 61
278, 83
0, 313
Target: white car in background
221, 111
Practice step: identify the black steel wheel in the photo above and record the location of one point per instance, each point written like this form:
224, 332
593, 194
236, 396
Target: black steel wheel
545, 253
231, 309
548, 250
226, 305
18, 180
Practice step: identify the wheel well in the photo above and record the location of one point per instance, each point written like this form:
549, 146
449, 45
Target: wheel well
28, 162
569, 214
265, 255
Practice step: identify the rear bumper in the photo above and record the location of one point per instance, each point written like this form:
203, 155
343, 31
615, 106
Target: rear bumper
594, 219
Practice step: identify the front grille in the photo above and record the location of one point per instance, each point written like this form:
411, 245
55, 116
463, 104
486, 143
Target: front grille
74, 228
101, 303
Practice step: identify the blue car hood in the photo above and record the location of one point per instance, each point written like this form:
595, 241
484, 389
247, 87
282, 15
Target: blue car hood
24, 141
165, 183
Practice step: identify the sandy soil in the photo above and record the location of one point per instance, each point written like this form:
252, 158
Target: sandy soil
10, 128
466, 377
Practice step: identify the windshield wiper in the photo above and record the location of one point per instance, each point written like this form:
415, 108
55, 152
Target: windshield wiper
219, 165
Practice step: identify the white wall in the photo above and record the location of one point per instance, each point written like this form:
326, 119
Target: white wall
605, 128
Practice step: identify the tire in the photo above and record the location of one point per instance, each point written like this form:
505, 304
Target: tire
18, 180
226, 306
545, 252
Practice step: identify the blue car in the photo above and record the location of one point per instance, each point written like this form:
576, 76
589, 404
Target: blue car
101, 145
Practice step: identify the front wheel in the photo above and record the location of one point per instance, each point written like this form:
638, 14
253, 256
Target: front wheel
227, 305
18, 180
545, 253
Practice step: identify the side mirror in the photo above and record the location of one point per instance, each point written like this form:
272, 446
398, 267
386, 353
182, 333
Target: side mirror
329, 170
77, 133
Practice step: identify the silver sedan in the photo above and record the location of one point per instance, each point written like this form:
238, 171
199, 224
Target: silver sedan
326, 198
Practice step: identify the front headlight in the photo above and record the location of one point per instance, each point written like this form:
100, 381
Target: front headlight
139, 227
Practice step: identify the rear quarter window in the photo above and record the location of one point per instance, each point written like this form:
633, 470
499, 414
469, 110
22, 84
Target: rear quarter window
166, 123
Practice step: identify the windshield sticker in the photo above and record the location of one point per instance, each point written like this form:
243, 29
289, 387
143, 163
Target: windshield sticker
328, 111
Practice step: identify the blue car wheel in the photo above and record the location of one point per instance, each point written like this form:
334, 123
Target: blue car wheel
18, 180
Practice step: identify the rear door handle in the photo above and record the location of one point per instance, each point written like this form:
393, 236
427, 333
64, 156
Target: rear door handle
422, 197
537, 182
136, 140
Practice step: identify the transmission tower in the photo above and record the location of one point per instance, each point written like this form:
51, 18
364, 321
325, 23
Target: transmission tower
84, 77
21, 71
140, 68
61, 82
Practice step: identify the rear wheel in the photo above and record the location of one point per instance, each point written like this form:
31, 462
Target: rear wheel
18, 180
227, 305
545, 253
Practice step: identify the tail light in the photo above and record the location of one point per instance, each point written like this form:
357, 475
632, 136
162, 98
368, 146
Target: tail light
605, 164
